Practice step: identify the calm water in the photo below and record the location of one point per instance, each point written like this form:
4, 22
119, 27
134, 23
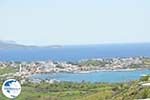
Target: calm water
112, 76
74, 53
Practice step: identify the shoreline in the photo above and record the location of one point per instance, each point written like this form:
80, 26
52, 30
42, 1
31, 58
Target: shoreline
116, 70
92, 71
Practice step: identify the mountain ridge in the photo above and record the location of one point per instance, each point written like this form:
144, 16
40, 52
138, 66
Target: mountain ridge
13, 44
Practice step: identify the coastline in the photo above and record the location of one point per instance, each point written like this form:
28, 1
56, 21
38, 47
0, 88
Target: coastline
27, 69
116, 70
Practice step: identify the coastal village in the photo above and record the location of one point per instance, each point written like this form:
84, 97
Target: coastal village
25, 69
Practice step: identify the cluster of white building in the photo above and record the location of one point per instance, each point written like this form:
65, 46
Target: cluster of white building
25, 69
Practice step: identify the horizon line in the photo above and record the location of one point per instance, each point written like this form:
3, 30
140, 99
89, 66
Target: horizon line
107, 43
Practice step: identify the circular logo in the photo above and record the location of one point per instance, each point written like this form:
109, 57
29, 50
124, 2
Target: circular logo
11, 88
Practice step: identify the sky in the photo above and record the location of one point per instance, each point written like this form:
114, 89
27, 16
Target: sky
71, 22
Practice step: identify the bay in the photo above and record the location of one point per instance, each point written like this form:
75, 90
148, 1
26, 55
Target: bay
101, 76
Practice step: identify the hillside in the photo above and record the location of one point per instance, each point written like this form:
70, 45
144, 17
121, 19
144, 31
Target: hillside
7, 45
133, 90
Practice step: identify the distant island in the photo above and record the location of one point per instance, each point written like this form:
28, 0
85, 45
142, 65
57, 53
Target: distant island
13, 45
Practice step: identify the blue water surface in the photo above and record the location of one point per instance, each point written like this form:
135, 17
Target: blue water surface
75, 53
102, 76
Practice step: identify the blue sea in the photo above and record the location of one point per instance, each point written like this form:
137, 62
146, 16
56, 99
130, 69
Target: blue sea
75, 53
101, 76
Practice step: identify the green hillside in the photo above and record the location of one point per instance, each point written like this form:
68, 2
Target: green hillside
85, 91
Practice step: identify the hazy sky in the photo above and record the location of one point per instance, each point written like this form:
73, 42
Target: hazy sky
47, 22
